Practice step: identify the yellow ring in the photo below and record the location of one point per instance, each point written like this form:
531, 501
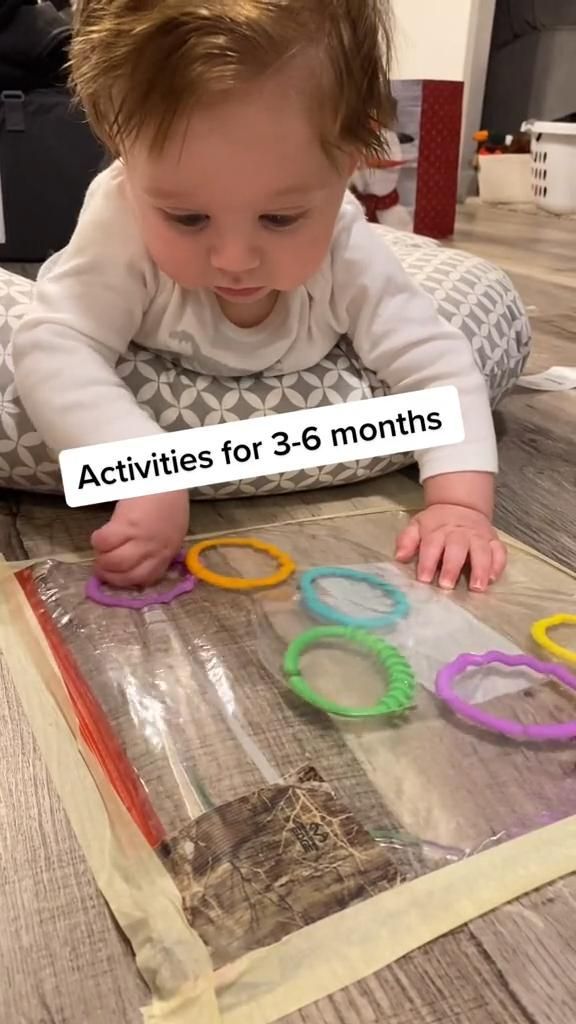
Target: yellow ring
540, 635
194, 565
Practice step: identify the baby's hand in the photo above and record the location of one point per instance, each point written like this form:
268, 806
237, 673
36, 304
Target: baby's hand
448, 537
142, 538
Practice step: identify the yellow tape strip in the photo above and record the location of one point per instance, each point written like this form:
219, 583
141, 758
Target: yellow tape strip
328, 956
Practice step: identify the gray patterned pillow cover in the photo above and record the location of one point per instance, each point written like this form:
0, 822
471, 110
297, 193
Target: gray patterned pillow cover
473, 295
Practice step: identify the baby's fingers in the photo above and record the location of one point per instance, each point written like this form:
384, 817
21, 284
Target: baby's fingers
455, 556
123, 559
499, 559
408, 542
145, 574
431, 550
480, 564
111, 536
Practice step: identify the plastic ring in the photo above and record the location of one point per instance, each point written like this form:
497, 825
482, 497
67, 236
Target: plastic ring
399, 675
514, 730
326, 612
540, 635
195, 565
94, 591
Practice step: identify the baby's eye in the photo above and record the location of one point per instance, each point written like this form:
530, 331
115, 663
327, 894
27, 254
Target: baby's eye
281, 220
188, 220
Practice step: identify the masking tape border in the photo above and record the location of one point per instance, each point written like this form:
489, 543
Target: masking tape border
387, 927
307, 965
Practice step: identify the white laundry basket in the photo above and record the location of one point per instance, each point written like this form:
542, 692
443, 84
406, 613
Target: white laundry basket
553, 165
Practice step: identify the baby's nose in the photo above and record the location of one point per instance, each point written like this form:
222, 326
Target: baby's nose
235, 256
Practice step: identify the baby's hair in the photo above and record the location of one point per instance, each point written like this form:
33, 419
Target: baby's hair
140, 66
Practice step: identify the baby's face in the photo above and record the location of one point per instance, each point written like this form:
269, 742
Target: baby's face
244, 200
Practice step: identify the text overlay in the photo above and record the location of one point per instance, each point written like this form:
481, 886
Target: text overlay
261, 447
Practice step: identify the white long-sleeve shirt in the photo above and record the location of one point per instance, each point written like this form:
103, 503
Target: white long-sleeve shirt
103, 291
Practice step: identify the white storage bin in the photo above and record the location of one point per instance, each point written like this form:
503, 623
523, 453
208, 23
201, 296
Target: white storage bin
553, 165
505, 178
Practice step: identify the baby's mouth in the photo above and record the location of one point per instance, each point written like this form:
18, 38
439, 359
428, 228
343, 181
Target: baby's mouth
239, 293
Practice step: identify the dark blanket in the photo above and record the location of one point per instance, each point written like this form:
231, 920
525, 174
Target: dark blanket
34, 44
517, 18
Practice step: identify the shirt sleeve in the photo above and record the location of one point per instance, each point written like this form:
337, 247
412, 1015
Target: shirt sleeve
399, 335
87, 304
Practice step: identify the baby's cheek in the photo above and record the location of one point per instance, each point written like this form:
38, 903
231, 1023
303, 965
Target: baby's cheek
174, 256
305, 258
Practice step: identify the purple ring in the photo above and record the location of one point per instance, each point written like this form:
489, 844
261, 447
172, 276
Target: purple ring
515, 730
95, 593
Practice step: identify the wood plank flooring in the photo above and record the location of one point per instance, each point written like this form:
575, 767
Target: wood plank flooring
537, 482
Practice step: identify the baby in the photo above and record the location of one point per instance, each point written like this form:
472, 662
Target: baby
224, 231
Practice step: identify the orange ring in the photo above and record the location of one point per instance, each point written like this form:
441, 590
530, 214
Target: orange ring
194, 565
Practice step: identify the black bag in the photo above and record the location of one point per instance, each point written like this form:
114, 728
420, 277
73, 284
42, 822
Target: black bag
48, 154
34, 44
48, 157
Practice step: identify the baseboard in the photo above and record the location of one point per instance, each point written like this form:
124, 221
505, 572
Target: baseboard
467, 184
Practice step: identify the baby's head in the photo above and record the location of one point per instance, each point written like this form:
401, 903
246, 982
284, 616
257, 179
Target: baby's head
239, 123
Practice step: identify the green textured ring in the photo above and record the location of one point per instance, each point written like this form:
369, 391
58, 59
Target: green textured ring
399, 675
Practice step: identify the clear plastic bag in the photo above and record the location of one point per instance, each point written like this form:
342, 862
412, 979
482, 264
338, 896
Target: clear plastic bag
435, 631
268, 813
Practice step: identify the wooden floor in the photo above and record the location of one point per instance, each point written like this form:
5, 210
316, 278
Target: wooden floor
516, 966
537, 484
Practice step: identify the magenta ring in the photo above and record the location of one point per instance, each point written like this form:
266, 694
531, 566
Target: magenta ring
515, 730
95, 593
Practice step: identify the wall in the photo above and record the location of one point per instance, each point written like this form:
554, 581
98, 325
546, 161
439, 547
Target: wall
449, 40
431, 37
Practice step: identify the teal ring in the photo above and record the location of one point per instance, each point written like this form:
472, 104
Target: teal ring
326, 613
